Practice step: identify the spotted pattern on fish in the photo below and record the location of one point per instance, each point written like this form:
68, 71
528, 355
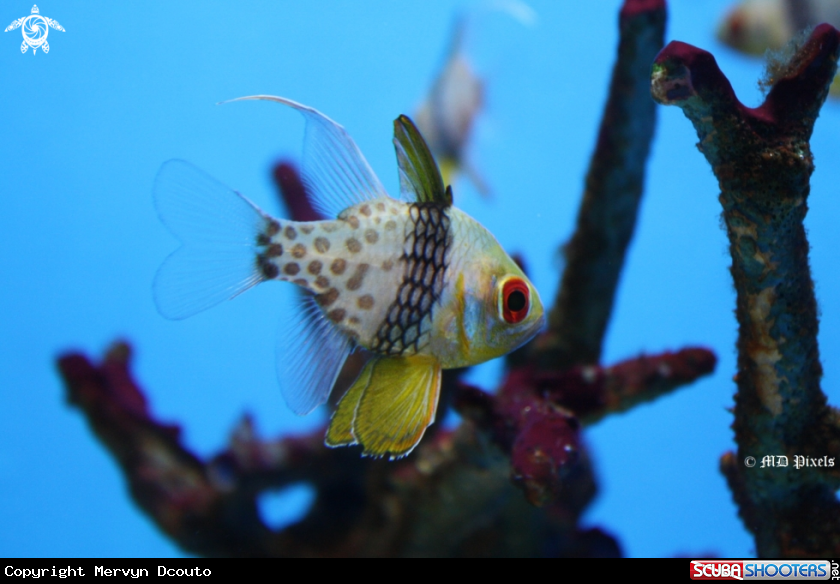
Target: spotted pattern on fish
357, 279
353, 245
337, 315
327, 297
425, 257
267, 268
338, 266
322, 244
269, 250
376, 271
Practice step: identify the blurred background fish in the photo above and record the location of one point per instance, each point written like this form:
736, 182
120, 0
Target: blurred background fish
448, 113
755, 26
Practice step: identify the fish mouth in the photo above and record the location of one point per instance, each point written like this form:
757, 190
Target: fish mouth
529, 333
537, 326
542, 322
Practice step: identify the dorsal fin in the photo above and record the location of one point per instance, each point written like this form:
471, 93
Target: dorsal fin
419, 174
334, 169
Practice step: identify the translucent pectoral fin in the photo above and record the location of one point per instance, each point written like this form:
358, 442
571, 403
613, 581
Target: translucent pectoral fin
395, 406
310, 354
334, 168
218, 230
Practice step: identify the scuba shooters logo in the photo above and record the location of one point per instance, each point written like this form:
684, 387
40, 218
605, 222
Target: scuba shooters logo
761, 569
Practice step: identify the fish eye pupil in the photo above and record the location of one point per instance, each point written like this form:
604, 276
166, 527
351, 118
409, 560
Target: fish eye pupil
516, 301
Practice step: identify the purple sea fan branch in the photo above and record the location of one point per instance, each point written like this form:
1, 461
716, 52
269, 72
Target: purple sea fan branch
613, 189
762, 160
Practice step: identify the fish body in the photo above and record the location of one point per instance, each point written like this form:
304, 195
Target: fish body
380, 269
753, 26
447, 115
416, 282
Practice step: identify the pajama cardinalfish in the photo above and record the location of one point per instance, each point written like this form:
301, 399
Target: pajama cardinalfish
416, 282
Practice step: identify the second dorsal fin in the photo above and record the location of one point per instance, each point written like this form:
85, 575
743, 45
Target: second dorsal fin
419, 174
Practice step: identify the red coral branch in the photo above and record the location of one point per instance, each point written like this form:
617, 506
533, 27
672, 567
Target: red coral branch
293, 192
595, 392
614, 184
452, 497
763, 163
535, 416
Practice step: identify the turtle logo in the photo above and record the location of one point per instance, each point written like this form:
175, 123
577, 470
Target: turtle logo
35, 29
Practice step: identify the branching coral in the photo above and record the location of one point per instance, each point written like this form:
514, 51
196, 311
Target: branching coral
461, 492
763, 162
614, 184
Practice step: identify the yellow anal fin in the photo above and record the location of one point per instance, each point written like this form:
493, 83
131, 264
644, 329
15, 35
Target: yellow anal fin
340, 432
389, 407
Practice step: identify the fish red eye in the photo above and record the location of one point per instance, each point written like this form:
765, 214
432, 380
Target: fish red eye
516, 301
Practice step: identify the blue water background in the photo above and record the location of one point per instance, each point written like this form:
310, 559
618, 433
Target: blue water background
130, 85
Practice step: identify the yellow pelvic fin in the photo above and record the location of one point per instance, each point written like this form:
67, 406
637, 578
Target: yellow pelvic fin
340, 432
389, 407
